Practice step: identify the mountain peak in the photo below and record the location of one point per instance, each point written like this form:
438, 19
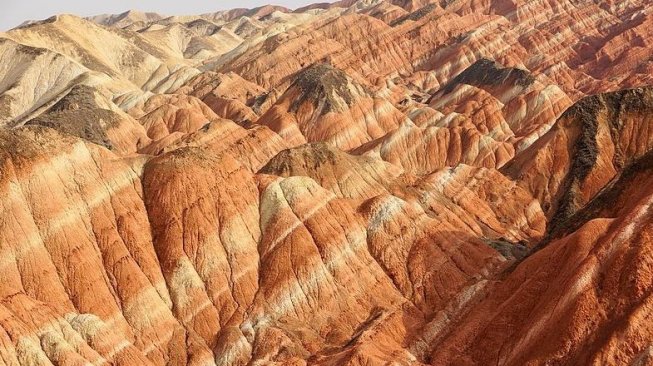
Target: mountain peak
324, 84
363, 182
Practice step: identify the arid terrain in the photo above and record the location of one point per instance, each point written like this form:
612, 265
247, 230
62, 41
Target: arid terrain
372, 182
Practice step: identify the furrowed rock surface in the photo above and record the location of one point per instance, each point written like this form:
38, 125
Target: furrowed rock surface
324, 104
589, 145
371, 182
347, 176
596, 297
100, 297
90, 115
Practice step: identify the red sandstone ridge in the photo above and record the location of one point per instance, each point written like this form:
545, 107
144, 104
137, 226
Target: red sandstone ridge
352, 183
324, 104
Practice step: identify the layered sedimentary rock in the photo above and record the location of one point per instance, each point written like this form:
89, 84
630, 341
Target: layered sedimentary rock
228, 95
590, 143
346, 175
596, 297
85, 113
350, 183
324, 104
99, 297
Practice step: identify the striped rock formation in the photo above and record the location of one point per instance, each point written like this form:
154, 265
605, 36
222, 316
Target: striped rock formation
324, 104
364, 182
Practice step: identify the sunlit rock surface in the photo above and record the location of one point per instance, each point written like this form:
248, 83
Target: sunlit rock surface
372, 182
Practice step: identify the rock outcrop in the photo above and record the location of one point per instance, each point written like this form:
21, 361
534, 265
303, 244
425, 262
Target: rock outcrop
324, 104
366, 182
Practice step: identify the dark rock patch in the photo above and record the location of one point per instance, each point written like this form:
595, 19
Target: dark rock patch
485, 72
585, 113
509, 250
414, 16
320, 84
79, 115
314, 155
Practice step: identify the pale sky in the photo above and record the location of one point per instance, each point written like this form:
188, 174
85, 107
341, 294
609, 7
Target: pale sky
14, 12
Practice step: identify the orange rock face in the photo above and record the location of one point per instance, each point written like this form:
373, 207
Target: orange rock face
354, 183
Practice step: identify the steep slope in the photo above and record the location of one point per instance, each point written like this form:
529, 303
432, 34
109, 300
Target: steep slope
483, 117
85, 113
324, 104
86, 299
365, 182
125, 19
119, 55
228, 95
31, 78
590, 144
45, 59
347, 176
588, 292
